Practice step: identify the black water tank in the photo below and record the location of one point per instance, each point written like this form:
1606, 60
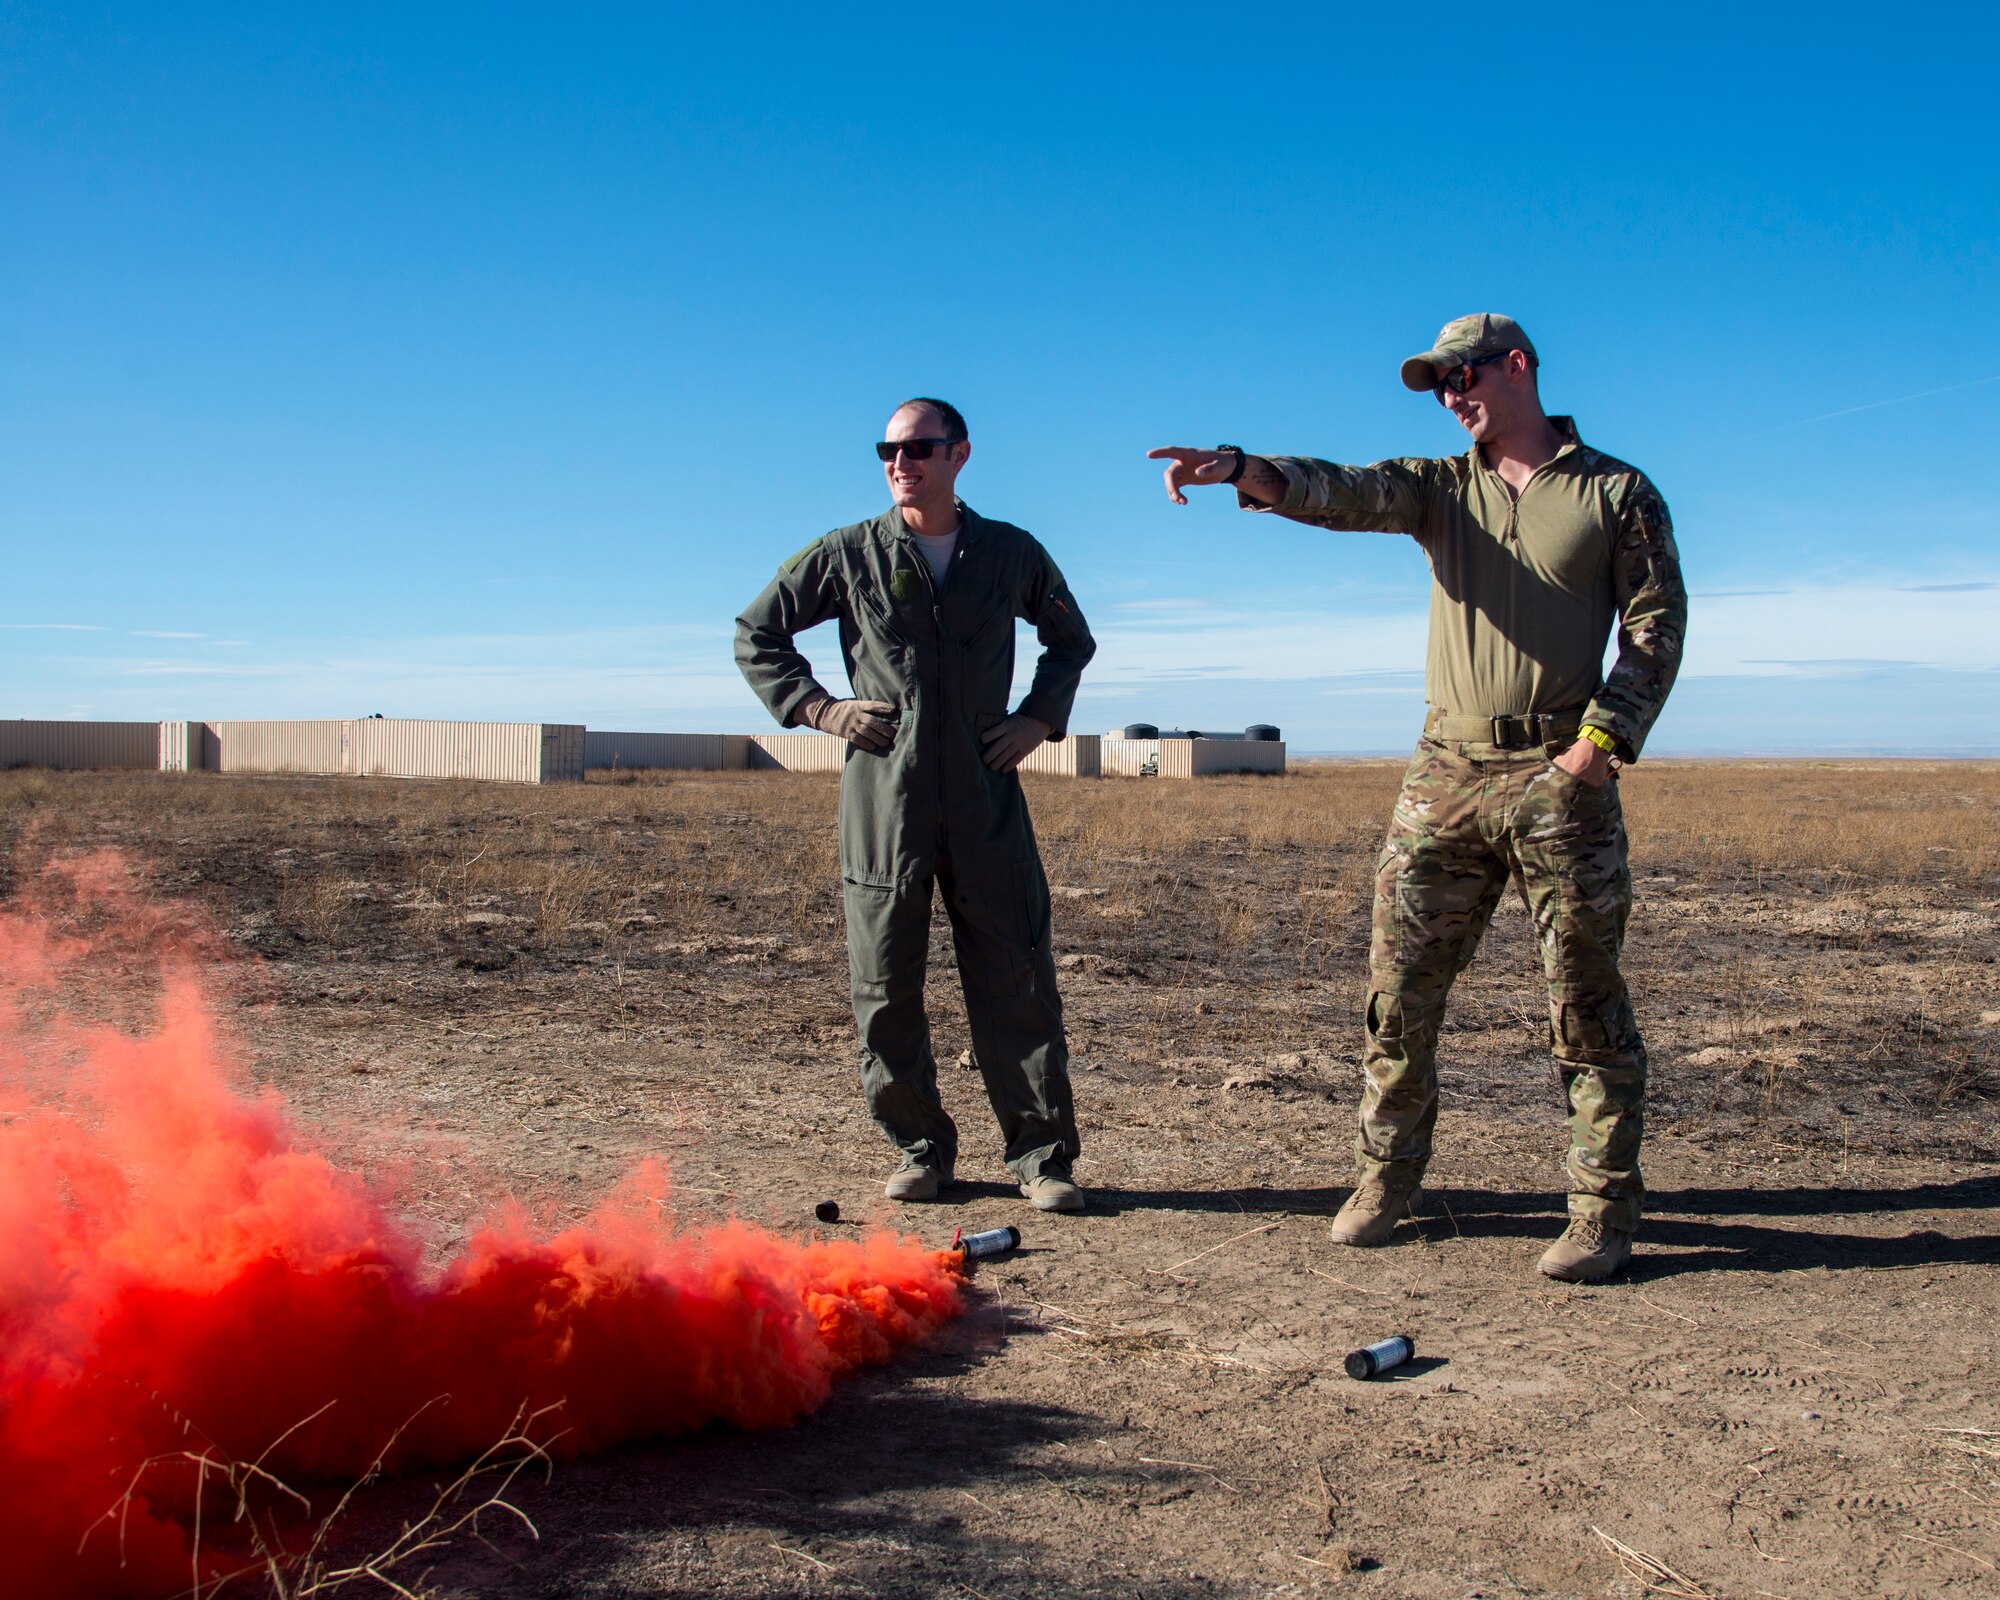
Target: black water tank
1141, 730
1262, 732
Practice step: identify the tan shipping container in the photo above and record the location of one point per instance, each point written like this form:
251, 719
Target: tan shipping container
404, 747
80, 746
1119, 757
310, 748
183, 746
797, 752
1077, 756
494, 752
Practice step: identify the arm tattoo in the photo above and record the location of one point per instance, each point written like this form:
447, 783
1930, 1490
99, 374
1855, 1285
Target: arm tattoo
1262, 482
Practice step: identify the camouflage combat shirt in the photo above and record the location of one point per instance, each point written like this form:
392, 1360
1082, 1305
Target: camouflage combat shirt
1524, 590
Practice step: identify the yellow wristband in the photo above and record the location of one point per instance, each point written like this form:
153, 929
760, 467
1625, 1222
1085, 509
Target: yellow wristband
1601, 739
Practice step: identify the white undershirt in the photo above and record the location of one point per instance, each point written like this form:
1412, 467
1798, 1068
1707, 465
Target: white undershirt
937, 550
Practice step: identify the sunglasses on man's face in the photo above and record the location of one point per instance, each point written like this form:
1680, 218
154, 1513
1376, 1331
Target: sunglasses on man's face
915, 449
1462, 377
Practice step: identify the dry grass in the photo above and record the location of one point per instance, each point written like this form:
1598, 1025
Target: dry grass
1809, 937
262, 1510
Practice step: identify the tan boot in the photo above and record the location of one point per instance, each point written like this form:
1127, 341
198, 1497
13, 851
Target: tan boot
1051, 1191
1373, 1210
1588, 1252
912, 1181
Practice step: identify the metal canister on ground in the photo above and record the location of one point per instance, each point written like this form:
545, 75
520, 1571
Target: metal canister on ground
1381, 1356
993, 1242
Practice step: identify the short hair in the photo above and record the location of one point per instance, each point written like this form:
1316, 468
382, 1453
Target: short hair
954, 424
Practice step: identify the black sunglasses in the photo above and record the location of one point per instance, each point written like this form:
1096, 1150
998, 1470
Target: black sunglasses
1462, 377
915, 449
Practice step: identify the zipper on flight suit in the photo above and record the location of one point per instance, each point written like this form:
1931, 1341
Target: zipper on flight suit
923, 567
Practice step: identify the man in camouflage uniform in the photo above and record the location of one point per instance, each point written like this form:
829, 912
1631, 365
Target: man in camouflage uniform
1536, 543
926, 596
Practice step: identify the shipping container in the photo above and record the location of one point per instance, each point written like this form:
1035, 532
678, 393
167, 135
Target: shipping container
673, 752
80, 746
404, 747
797, 752
493, 752
306, 748
562, 752
1211, 757
1077, 756
1146, 758
182, 745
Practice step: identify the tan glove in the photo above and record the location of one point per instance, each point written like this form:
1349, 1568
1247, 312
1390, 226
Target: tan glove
871, 724
1012, 740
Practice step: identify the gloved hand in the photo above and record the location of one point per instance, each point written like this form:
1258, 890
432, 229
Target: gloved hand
871, 724
1012, 740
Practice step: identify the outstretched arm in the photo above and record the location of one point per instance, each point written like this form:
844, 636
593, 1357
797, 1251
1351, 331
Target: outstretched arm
1389, 497
1260, 481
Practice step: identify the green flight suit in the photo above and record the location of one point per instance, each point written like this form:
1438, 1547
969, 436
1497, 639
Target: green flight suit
929, 810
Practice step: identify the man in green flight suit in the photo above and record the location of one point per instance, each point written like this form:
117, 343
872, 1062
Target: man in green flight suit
926, 596
1537, 543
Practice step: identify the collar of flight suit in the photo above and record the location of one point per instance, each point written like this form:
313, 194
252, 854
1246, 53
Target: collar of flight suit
970, 524
1572, 442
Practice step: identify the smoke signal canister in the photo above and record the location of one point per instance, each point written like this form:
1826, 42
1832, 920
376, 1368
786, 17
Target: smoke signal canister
1381, 1356
827, 1211
993, 1242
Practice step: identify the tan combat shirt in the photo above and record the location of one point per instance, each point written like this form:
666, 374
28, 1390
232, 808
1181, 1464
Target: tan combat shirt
1524, 591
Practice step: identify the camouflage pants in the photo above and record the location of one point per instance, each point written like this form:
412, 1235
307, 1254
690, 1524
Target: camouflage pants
1469, 818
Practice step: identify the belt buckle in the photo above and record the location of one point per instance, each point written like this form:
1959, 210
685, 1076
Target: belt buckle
1505, 730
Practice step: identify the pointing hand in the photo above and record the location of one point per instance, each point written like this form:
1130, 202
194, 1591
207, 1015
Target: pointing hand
1200, 467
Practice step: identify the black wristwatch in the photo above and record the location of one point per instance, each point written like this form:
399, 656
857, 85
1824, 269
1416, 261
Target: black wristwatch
1242, 461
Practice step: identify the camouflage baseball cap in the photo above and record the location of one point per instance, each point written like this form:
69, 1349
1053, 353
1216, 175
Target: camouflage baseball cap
1459, 341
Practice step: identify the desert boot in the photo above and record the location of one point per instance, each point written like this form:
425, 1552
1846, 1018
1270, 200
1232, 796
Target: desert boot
1053, 1191
915, 1181
1374, 1209
1588, 1252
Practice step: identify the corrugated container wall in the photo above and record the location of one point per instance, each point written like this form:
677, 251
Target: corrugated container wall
281, 747
1078, 756
562, 752
494, 752
404, 747
1126, 758
80, 746
1213, 756
680, 752
182, 745
797, 752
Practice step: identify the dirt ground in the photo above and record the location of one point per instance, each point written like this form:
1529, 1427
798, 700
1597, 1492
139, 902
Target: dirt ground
485, 992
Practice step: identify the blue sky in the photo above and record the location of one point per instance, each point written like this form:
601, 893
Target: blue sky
482, 361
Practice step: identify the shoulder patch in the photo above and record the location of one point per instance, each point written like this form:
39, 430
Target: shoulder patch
791, 563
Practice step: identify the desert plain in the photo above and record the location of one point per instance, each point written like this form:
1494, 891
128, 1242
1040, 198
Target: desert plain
485, 995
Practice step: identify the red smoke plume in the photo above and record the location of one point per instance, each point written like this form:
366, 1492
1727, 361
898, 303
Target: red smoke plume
177, 1272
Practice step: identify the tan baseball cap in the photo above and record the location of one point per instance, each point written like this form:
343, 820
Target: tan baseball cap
1459, 340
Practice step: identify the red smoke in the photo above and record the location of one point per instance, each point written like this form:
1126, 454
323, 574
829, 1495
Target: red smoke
178, 1273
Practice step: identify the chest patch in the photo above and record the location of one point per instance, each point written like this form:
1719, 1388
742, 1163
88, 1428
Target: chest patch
904, 585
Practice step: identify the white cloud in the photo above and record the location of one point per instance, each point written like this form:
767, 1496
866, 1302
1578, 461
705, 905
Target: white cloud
1766, 634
